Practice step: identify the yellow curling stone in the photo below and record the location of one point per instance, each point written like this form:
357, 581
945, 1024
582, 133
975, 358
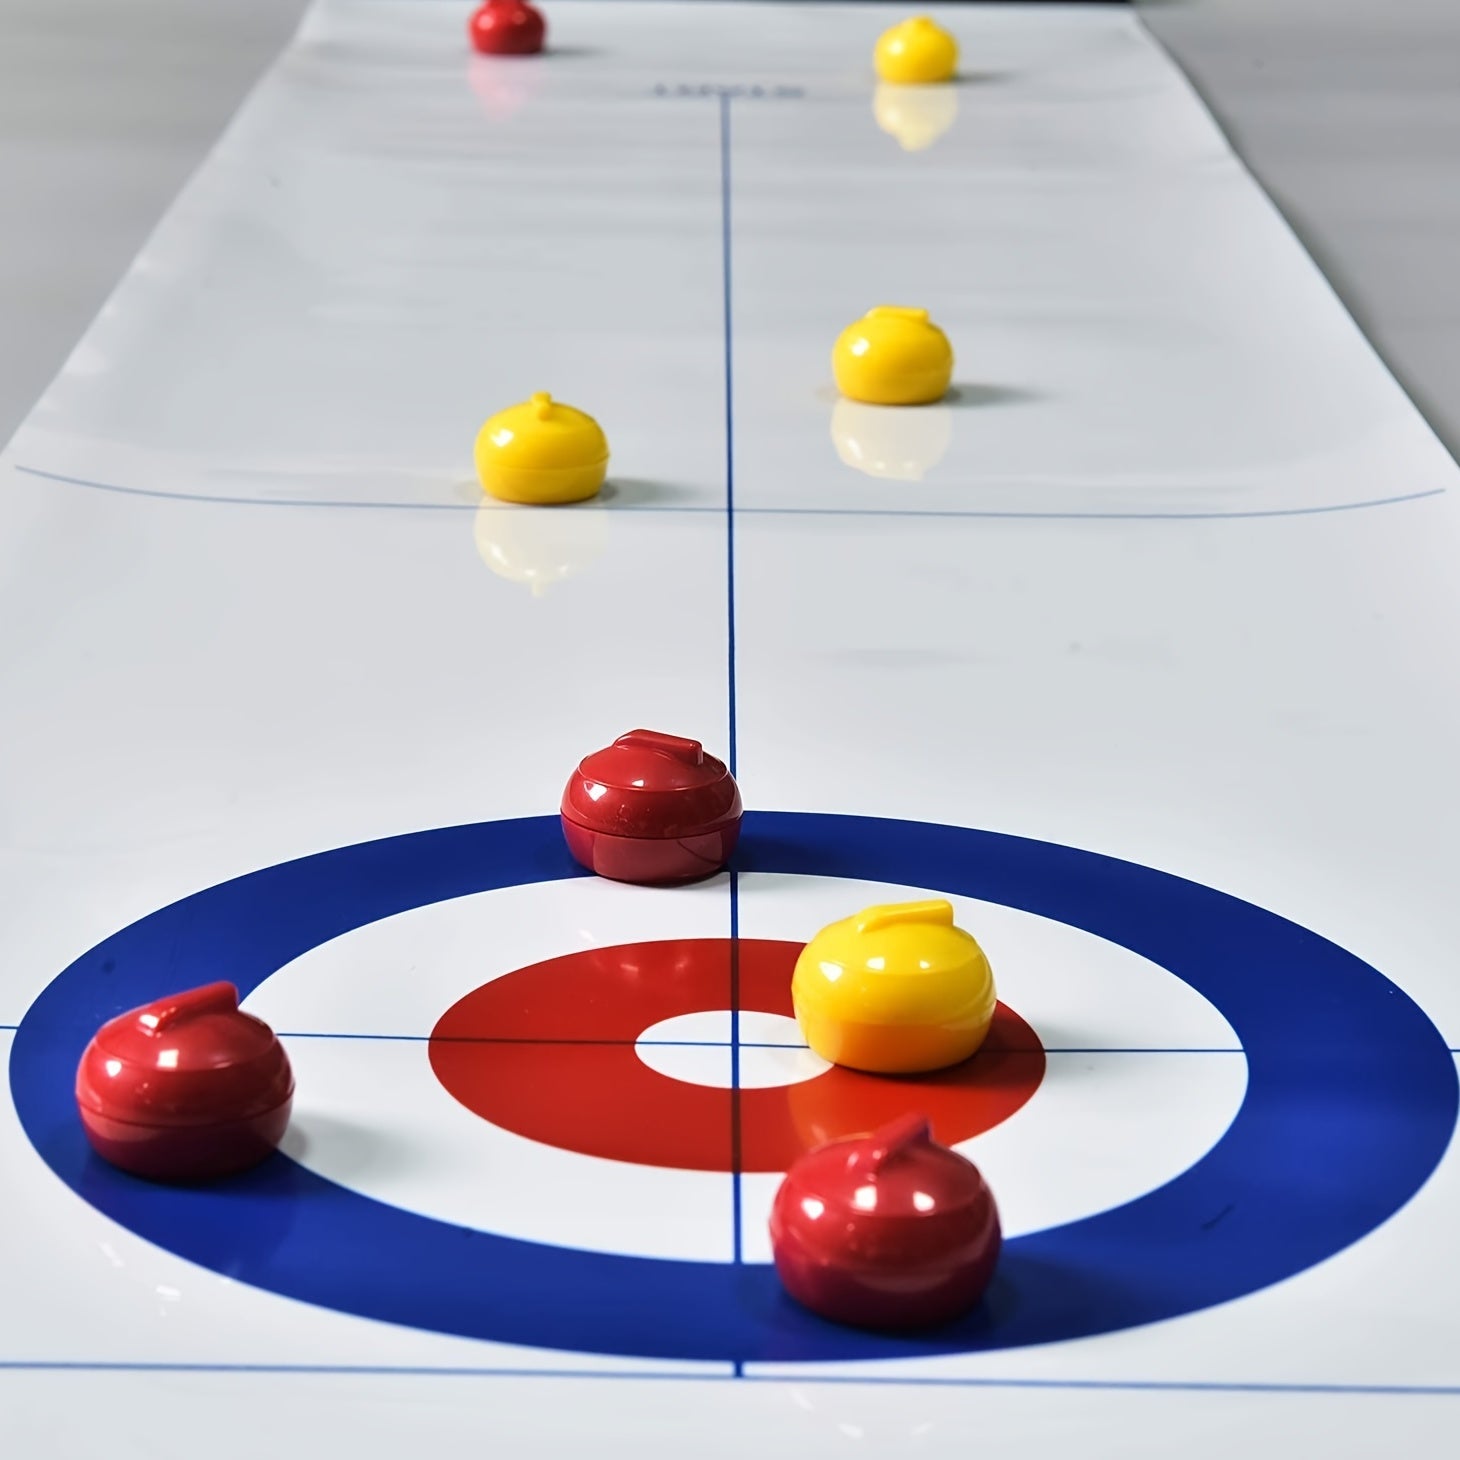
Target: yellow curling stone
896, 989
916, 52
541, 452
893, 356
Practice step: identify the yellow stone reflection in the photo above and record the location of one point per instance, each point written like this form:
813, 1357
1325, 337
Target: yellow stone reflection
540, 546
896, 443
915, 115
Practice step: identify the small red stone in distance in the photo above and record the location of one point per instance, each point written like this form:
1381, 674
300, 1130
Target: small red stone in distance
185, 1089
887, 1231
508, 28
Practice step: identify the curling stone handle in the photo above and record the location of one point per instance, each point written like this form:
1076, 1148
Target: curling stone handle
690, 752
213, 998
896, 1138
889, 914
898, 311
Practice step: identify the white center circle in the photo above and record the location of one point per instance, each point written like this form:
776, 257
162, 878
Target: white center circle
1142, 1077
709, 1048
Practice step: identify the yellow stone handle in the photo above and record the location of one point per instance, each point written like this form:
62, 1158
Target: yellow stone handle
890, 914
898, 311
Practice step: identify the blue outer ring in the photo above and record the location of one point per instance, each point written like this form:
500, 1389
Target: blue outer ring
1351, 1101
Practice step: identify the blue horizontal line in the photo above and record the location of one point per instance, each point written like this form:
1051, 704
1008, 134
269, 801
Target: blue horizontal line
510, 1039
725, 1043
1198, 1386
435, 1372
714, 1376
942, 514
715, 1043
743, 511
1146, 1049
119, 490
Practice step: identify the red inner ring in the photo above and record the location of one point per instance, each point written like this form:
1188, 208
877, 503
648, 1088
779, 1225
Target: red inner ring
547, 1052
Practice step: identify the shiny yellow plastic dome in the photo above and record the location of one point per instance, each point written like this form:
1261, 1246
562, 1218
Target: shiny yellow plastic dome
915, 115
893, 356
896, 989
916, 52
541, 452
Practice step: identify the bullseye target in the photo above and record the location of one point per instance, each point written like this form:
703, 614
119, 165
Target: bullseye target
551, 1052
1350, 1099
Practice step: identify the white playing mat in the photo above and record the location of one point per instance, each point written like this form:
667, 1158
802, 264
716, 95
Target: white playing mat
1170, 578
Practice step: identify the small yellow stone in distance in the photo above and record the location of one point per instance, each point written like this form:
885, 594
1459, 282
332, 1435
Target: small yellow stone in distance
895, 989
916, 52
893, 356
541, 452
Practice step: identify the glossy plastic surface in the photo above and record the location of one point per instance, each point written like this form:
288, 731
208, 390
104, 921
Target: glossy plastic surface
652, 808
916, 52
890, 444
539, 549
895, 989
893, 356
184, 1089
889, 1230
653, 861
574, 1066
649, 784
542, 452
915, 115
508, 28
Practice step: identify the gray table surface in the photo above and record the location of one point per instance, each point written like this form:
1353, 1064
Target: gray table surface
1347, 110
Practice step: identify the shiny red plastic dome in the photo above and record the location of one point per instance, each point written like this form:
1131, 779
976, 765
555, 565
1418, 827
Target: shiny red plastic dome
652, 808
886, 1231
187, 1088
508, 28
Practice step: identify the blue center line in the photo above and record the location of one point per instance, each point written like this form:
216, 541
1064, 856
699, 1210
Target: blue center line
736, 1136
732, 747
727, 309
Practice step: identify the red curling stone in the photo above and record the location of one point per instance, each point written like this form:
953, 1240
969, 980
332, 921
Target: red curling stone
186, 1089
887, 1231
652, 808
508, 28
